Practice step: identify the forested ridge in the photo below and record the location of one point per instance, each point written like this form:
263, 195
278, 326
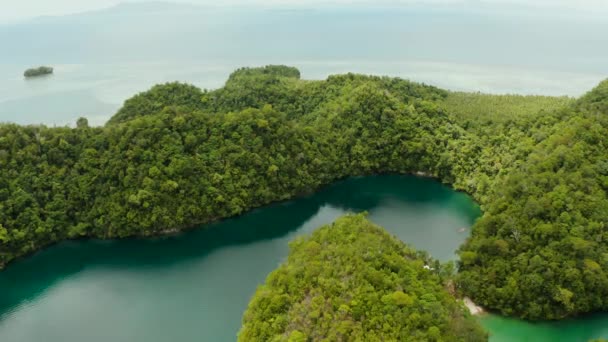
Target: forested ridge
177, 156
540, 251
352, 281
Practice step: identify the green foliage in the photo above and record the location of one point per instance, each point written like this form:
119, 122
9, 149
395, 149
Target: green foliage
176, 157
269, 70
352, 281
486, 109
156, 99
161, 164
82, 123
40, 71
540, 251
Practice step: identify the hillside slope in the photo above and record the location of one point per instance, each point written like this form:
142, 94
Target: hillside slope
352, 281
175, 157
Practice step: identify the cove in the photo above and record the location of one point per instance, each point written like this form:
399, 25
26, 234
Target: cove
196, 285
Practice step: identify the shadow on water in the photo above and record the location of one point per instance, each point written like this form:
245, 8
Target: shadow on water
371, 191
27, 279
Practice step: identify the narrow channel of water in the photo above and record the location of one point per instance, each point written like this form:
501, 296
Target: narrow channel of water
195, 286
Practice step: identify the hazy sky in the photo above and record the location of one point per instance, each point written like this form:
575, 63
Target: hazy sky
11, 10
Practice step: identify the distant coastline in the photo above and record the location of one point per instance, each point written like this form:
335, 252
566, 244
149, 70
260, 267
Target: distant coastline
36, 72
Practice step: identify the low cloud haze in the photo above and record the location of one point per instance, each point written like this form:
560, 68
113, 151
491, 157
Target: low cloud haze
14, 10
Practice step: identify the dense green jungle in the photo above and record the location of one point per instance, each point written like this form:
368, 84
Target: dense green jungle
352, 281
177, 156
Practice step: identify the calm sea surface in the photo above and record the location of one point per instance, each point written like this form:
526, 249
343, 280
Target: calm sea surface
101, 58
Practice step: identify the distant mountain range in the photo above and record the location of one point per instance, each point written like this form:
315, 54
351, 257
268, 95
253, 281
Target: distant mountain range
124, 8
121, 8
128, 30
147, 31
151, 32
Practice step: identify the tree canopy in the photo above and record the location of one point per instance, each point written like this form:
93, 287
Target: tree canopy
40, 71
352, 281
176, 156
541, 248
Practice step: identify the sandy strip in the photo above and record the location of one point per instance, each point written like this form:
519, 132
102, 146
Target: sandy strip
473, 308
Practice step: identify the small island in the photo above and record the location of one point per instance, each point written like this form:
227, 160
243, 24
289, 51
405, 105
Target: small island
36, 72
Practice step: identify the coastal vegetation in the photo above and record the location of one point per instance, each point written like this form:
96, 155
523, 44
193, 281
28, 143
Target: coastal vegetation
540, 250
352, 281
40, 71
177, 156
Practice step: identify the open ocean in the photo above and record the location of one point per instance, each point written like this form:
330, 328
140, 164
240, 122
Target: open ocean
102, 58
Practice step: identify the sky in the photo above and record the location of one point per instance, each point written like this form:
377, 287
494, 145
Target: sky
16, 10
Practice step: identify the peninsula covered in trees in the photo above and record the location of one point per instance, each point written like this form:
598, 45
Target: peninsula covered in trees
176, 156
352, 281
40, 71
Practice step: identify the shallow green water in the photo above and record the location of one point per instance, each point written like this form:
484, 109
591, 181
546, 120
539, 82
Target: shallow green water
195, 286
584, 329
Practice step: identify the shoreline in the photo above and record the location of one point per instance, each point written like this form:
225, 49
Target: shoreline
474, 309
169, 232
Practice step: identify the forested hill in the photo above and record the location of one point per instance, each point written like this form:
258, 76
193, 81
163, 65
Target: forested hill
177, 156
352, 281
541, 248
